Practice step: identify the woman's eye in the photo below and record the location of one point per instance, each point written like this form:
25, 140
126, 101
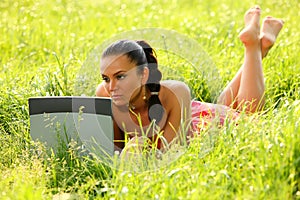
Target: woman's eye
121, 76
105, 79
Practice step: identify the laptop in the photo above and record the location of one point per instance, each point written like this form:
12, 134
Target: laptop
86, 121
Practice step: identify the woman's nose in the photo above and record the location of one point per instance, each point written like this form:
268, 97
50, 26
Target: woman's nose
112, 85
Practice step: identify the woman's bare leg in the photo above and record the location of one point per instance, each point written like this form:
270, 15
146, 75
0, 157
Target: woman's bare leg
269, 32
247, 87
228, 95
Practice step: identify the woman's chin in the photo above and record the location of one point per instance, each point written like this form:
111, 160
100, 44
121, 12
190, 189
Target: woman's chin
120, 103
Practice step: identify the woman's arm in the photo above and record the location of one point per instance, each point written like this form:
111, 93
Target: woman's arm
118, 133
119, 138
101, 91
176, 99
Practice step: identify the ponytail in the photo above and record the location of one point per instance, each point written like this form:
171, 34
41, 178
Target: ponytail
155, 109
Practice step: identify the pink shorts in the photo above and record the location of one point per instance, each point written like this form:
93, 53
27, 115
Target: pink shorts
204, 114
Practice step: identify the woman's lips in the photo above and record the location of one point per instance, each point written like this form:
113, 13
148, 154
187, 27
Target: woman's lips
116, 97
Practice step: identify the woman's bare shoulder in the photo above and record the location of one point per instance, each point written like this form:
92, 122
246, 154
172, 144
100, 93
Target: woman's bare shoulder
101, 91
172, 90
176, 87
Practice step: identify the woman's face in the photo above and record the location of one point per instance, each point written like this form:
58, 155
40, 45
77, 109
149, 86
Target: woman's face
121, 79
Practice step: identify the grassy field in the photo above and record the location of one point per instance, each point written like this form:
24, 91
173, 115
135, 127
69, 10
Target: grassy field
45, 46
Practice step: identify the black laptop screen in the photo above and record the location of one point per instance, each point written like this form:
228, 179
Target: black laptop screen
93, 105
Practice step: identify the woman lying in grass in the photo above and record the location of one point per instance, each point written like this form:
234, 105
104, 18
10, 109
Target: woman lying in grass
143, 105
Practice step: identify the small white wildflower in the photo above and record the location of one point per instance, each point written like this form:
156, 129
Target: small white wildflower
125, 189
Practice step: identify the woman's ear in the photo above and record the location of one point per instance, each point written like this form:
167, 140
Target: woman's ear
145, 75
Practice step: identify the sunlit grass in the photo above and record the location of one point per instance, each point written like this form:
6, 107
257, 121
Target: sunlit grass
44, 46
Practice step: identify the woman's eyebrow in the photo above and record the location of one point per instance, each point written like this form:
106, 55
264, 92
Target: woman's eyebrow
116, 73
119, 72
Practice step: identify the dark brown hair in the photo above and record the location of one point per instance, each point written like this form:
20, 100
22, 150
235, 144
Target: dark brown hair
143, 55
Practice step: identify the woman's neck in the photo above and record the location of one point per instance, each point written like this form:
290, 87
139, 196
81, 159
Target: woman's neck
140, 102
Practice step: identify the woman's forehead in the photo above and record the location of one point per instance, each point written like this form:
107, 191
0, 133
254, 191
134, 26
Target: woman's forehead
112, 63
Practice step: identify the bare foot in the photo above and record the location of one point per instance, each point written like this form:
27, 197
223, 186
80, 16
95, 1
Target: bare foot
269, 32
250, 34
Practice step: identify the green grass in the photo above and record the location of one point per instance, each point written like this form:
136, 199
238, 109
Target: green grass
44, 49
